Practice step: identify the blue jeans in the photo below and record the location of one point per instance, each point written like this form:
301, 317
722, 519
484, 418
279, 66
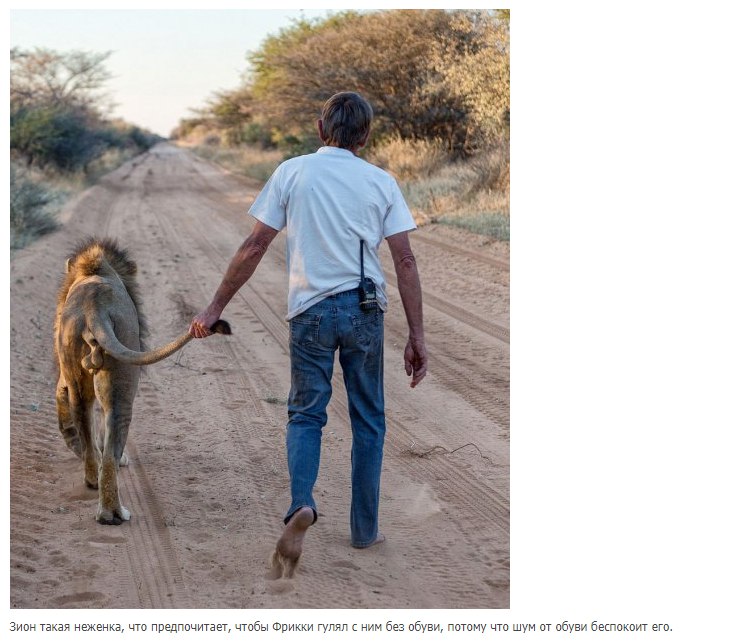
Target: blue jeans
315, 335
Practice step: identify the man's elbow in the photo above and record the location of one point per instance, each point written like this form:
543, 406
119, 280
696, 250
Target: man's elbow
406, 265
254, 248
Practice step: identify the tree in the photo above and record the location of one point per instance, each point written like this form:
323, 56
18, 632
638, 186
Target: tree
476, 66
73, 79
406, 62
384, 55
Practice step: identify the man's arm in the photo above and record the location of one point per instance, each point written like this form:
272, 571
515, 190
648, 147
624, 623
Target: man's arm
409, 286
239, 271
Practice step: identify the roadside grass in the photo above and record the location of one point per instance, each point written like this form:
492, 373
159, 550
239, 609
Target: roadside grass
490, 224
248, 160
472, 194
107, 162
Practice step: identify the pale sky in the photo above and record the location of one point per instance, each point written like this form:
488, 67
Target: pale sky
165, 62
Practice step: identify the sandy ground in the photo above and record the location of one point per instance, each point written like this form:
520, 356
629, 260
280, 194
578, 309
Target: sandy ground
207, 482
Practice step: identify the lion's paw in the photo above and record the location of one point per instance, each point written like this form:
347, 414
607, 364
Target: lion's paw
109, 517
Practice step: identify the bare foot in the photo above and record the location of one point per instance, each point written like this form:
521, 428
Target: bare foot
378, 539
285, 558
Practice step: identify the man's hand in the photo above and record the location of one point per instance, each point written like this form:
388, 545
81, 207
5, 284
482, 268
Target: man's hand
416, 360
239, 270
202, 322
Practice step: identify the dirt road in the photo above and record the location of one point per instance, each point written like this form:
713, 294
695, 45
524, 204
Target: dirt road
207, 482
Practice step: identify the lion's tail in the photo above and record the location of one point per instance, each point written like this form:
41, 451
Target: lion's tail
103, 334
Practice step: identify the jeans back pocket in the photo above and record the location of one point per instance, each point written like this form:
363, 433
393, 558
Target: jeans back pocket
304, 329
367, 326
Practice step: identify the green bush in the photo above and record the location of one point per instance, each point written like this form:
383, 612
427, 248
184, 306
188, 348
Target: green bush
291, 145
139, 139
256, 134
56, 136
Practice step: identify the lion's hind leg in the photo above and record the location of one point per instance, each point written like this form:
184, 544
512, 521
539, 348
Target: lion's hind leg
110, 510
116, 404
100, 433
80, 401
66, 424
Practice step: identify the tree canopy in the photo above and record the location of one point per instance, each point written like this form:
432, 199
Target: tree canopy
45, 77
429, 74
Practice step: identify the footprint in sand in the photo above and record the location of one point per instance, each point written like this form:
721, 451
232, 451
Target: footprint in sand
280, 586
81, 599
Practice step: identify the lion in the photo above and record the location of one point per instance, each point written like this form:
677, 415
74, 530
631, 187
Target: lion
98, 333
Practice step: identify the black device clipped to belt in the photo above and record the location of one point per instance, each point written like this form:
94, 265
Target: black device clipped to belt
366, 290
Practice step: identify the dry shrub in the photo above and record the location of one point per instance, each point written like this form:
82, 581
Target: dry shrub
490, 168
33, 207
198, 135
408, 159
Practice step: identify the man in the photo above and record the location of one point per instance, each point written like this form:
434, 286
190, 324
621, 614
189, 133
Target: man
337, 209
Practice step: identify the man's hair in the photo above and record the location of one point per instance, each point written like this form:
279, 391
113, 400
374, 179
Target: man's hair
346, 119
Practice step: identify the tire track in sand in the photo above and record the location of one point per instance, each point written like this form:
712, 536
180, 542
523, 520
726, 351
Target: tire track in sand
156, 575
483, 258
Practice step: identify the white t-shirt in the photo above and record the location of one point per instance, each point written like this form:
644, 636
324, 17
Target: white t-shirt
328, 201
